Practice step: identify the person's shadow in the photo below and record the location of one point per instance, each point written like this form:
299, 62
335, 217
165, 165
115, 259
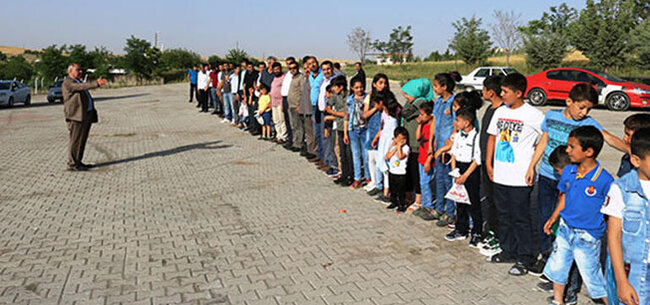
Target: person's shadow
164, 153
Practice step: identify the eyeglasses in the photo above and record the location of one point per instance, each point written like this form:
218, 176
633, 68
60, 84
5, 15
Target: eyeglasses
293, 68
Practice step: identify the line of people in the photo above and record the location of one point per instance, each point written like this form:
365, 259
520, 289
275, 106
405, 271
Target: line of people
434, 147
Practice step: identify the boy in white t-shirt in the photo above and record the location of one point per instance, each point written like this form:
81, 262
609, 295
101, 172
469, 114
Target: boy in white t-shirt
514, 132
397, 157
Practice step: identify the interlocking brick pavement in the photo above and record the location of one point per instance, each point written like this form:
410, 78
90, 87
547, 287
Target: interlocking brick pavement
184, 209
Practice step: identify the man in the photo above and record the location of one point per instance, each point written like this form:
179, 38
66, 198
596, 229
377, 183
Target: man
203, 81
306, 112
266, 76
360, 72
214, 83
328, 146
249, 83
191, 78
276, 104
286, 84
236, 98
315, 81
80, 113
293, 98
337, 70
226, 95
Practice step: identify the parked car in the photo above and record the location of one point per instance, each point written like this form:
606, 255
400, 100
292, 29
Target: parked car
12, 92
474, 80
55, 92
615, 93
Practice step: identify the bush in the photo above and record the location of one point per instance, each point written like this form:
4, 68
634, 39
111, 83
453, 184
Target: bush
172, 75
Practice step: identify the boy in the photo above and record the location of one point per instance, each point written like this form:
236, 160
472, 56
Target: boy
425, 159
556, 128
466, 156
397, 157
491, 93
632, 124
337, 107
627, 227
583, 186
264, 111
513, 131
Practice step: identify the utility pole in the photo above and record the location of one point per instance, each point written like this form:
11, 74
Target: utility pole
155, 40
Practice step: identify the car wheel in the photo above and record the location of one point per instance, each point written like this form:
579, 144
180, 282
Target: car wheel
28, 100
618, 101
50, 100
537, 97
10, 103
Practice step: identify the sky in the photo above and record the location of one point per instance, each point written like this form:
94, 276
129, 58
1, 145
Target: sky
261, 28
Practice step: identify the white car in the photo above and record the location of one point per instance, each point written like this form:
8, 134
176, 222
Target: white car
12, 92
474, 80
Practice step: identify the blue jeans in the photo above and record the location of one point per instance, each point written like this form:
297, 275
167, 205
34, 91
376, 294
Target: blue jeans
380, 175
443, 185
358, 137
317, 117
328, 145
426, 185
578, 244
214, 100
227, 104
546, 201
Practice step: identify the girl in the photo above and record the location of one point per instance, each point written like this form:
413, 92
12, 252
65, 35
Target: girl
416, 92
391, 109
264, 111
357, 131
373, 115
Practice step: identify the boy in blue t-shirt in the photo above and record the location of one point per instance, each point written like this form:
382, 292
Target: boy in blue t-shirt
583, 188
556, 127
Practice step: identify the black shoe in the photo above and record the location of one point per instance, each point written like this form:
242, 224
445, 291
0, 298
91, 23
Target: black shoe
310, 156
518, 269
392, 206
476, 239
295, 149
87, 165
383, 198
77, 168
537, 268
373, 192
340, 180
303, 153
401, 209
545, 287
347, 182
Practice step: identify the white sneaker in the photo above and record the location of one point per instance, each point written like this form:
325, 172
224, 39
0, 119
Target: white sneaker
369, 187
224, 120
489, 252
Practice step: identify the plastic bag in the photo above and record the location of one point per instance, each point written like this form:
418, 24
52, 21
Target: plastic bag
458, 194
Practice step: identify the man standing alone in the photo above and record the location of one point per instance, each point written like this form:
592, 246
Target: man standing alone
80, 113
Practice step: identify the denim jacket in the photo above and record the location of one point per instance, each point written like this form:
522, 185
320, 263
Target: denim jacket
636, 216
352, 113
445, 117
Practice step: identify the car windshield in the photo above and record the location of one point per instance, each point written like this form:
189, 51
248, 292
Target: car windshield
610, 77
5, 85
57, 84
510, 70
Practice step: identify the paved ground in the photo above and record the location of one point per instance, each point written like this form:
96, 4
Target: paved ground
184, 209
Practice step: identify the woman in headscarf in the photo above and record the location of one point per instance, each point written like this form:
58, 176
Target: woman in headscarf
416, 92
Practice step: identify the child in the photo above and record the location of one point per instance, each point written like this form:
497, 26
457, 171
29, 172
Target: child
390, 108
632, 124
466, 156
627, 226
556, 127
443, 86
357, 131
373, 115
336, 107
513, 132
424, 134
492, 94
329, 138
583, 186
264, 111
397, 157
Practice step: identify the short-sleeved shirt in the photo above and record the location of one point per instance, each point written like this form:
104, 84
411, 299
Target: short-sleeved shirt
225, 80
397, 166
466, 147
276, 91
314, 83
584, 196
234, 83
558, 128
625, 166
263, 103
425, 135
193, 76
338, 104
214, 80
250, 79
516, 132
266, 78
485, 122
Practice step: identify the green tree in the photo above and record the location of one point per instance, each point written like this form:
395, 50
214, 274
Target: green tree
399, 45
77, 54
178, 59
602, 31
236, 55
214, 60
545, 39
16, 67
3, 57
102, 61
140, 57
52, 63
639, 45
471, 43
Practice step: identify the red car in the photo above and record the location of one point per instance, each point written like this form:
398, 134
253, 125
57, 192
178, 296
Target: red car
615, 93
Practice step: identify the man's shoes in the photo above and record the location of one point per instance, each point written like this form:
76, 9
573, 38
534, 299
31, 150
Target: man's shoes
303, 153
537, 268
383, 198
314, 160
373, 192
355, 185
90, 165
401, 209
475, 241
545, 287
455, 235
77, 168
392, 206
429, 214
518, 269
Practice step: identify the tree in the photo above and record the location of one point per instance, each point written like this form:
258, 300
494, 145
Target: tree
359, 42
77, 54
52, 63
214, 60
16, 67
178, 59
506, 32
639, 44
236, 55
545, 39
471, 42
3, 57
140, 57
602, 31
399, 44
102, 61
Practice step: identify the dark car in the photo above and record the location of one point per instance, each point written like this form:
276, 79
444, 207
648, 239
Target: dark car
55, 92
